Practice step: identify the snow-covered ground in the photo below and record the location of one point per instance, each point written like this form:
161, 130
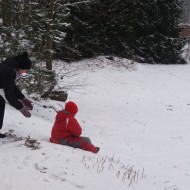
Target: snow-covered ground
137, 114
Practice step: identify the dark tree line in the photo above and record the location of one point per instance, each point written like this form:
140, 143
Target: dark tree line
69, 29
148, 30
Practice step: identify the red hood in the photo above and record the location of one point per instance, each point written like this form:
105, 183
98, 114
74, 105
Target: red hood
62, 115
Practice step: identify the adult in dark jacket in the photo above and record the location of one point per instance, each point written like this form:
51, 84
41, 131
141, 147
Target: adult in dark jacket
10, 70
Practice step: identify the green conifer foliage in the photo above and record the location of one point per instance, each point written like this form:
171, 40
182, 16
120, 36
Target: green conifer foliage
70, 29
12, 39
124, 27
160, 42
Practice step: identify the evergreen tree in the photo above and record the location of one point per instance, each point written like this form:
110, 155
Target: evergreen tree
148, 28
45, 27
10, 40
160, 42
81, 36
33, 26
95, 27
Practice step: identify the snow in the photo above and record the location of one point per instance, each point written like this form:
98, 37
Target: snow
138, 114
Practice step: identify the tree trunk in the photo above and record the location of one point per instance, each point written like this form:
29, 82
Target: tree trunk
48, 54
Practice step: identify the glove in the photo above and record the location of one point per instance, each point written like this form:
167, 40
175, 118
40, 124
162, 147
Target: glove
25, 111
27, 103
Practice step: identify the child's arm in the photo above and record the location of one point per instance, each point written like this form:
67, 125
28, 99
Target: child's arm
74, 127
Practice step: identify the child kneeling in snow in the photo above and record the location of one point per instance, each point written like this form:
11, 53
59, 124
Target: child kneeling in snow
66, 130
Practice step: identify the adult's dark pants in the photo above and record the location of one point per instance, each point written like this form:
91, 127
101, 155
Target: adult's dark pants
2, 110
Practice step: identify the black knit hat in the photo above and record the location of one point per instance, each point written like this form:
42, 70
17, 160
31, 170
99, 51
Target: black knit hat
23, 61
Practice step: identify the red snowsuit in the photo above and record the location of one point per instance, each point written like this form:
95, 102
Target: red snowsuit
66, 128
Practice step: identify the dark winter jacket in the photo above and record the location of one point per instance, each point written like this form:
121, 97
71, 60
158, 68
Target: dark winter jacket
7, 82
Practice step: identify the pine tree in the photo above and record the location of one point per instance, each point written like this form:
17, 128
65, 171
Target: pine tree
33, 26
45, 27
124, 27
8, 34
81, 36
75, 29
12, 32
160, 42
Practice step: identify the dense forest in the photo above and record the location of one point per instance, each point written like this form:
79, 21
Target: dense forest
146, 31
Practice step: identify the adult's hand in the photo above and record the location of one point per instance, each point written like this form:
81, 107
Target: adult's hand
27, 103
25, 111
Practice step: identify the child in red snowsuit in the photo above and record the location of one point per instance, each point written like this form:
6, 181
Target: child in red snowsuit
66, 130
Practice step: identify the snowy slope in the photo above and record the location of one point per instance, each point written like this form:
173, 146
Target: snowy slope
137, 114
